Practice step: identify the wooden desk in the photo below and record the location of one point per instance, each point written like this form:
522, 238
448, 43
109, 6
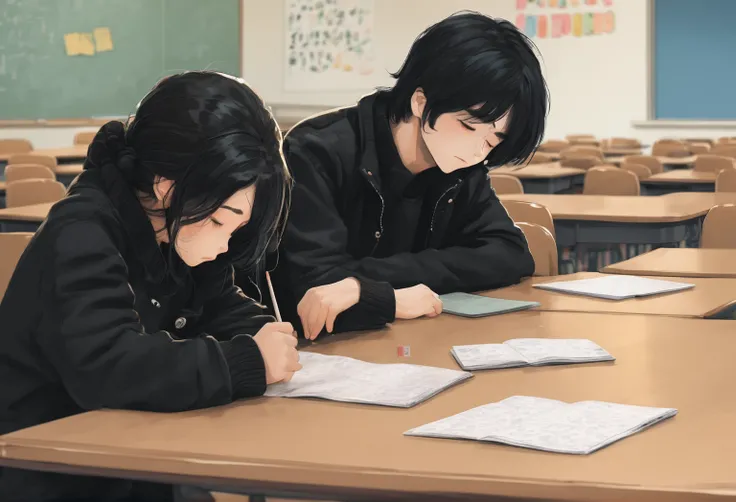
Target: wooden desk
545, 178
343, 451
617, 152
65, 155
23, 218
679, 180
709, 298
679, 262
3, 184
678, 162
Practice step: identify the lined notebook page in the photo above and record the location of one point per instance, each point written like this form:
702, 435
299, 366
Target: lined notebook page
338, 378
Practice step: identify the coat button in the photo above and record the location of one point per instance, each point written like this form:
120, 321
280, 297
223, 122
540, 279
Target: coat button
449, 201
180, 323
378, 235
369, 173
155, 303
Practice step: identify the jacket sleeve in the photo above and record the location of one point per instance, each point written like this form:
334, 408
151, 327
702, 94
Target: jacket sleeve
103, 355
228, 312
487, 250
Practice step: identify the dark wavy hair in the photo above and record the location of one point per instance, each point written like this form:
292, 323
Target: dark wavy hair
211, 135
471, 60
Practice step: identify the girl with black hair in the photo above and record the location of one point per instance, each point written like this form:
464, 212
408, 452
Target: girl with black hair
125, 297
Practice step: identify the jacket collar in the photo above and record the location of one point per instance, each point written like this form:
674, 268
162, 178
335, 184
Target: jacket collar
140, 233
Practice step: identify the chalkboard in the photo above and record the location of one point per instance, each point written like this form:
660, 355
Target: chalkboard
694, 69
151, 39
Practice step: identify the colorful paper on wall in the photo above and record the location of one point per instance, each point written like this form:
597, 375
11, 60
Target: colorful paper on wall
551, 22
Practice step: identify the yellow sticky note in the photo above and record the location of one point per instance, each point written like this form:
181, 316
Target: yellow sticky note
71, 44
86, 44
577, 25
103, 39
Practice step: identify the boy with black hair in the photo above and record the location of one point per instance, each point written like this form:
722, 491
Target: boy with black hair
392, 202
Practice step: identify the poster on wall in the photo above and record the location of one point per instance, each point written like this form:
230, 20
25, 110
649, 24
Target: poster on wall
565, 18
329, 45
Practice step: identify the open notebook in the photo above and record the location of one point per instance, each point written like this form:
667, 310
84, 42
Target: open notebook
616, 287
545, 424
468, 305
528, 352
338, 378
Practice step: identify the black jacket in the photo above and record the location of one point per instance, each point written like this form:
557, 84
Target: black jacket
91, 320
337, 221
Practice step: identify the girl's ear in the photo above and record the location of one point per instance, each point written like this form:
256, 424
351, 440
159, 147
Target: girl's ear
418, 102
164, 189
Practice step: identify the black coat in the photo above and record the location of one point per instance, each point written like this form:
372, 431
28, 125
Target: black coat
91, 319
337, 220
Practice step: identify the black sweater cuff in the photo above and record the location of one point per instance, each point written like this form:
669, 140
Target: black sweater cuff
247, 369
378, 300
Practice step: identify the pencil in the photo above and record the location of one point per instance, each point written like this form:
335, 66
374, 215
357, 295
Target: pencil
273, 298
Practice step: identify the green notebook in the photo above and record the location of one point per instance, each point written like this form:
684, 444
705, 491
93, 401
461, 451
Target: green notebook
468, 305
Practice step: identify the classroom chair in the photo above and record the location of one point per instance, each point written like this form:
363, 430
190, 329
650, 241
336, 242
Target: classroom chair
543, 247
34, 191
553, 146
670, 148
582, 139
653, 163
699, 148
713, 163
724, 150
622, 143
12, 245
15, 172
718, 228
726, 140
582, 151
34, 158
84, 137
607, 180
540, 158
640, 170
726, 181
11, 146
708, 141
506, 184
530, 212
583, 162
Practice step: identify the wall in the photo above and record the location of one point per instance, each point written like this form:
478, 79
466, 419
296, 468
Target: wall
599, 84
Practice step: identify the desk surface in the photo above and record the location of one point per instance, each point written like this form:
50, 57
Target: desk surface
68, 169
668, 208
618, 151
684, 176
350, 449
540, 171
677, 161
2, 185
708, 297
70, 152
679, 262
34, 213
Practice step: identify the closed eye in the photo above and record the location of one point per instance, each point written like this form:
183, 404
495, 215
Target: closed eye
215, 222
466, 126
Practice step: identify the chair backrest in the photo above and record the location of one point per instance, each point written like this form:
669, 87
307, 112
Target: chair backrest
708, 141
84, 137
540, 158
623, 143
582, 150
610, 181
34, 191
698, 148
653, 163
640, 170
530, 212
726, 181
670, 148
718, 228
726, 141
10, 146
553, 146
582, 162
12, 245
582, 139
506, 184
33, 158
543, 248
15, 172
713, 163
724, 150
